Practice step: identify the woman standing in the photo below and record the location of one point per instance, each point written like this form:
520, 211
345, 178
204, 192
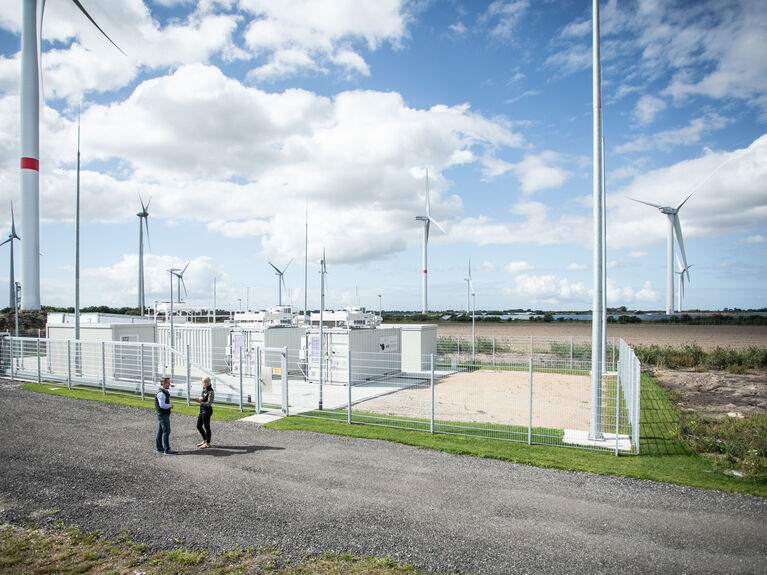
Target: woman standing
206, 410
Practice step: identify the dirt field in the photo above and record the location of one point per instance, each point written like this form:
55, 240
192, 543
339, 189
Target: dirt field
706, 336
717, 393
559, 401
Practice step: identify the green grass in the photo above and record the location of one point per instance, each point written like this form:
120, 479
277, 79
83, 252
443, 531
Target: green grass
64, 550
220, 413
693, 356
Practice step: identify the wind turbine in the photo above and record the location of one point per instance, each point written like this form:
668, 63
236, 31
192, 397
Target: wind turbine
427, 221
674, 228
281, 279
12, 289
470, 293
143, 222
680, 272
30, 145
180, 281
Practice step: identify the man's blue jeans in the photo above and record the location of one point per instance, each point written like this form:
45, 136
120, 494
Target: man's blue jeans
163, 432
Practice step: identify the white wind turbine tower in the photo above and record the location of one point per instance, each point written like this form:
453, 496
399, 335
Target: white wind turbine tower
143, 222
29, 93
280, 278
427, 221
674, 227
470, 294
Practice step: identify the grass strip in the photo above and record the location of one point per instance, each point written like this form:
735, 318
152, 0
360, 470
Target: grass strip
220, 412
58, 548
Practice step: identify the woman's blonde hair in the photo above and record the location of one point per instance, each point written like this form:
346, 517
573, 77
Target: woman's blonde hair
206, 381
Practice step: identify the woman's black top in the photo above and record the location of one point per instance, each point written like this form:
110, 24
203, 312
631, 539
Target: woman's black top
206, 404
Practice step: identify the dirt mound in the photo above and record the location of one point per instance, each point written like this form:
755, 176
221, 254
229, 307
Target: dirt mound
29, 322
717, 393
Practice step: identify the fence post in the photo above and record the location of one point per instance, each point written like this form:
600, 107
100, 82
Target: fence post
431, 381
531, 347
571, 352
258, 379
617, 406
38, 358
13, 356
69, 364
284, 370
103, 369
240, 360
141, 367
188, 375
349, 370
530, 407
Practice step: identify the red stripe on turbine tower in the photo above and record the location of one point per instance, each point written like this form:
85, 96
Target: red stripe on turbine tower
424, 271
30, 164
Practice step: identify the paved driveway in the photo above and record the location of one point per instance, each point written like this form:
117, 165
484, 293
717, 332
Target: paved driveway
310, 493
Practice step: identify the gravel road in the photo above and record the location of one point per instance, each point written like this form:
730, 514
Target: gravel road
311, 493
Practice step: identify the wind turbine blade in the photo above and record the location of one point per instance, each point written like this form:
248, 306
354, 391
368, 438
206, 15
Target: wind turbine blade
469, 269
6, 241
40, 50
183, 284
279, 273
436, 223
680, 241
647, 203
428, 205
184, 270
84, 11
683, 202
146, 225
287, 266
13, 225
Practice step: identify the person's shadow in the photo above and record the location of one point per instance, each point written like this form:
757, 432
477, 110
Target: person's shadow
227, 450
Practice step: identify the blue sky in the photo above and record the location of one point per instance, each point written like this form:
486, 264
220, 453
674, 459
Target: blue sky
235, 115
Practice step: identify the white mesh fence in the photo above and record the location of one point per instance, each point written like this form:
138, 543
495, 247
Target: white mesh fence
538, 391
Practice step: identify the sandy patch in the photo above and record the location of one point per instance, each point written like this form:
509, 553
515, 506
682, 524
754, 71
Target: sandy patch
501, 397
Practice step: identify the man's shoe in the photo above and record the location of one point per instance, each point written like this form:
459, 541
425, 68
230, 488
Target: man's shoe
171, 452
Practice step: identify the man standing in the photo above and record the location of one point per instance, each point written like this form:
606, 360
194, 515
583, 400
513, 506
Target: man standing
163, 406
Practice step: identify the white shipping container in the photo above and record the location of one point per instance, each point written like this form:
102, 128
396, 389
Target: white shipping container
419, 341
375, 353
248, 338
207, 344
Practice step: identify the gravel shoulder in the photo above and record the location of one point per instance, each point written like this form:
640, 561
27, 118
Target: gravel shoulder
311, 493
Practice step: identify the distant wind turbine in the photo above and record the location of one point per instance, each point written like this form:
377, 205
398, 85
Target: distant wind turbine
681, 273
470, 294
143, 222
29, 93
427, 221
12, 280
674, 228
180, 281
281, 278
